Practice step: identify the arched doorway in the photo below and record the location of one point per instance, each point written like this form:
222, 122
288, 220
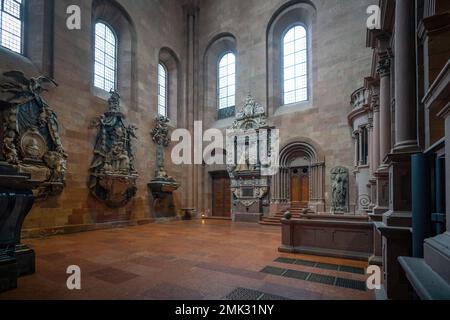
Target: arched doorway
301, 179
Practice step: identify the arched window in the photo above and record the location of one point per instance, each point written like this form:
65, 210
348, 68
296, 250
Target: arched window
11, 26
162, 90
295, 65
227, 81
105, 57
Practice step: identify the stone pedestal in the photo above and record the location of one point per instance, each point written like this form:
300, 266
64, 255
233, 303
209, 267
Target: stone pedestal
162, 193
395, 227
377, 257
396, 243
26, 260
16, 200
382, 191
8, 273
247, 217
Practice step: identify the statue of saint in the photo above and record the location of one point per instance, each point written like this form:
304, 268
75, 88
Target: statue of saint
120, 162
339, 188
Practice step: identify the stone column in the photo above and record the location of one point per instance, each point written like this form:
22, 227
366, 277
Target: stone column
405, 75
360, 148
384, 70
370, 143
382, 171
376, 130
396, 225
355, 138
375, 142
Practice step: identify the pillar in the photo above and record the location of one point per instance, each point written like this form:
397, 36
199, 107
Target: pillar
421, 207
405, 75
376, 130
384, 70
396, 225
384, 129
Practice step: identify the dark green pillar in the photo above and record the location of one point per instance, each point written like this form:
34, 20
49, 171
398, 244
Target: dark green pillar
421, 202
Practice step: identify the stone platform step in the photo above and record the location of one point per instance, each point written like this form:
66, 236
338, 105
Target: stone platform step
296, 210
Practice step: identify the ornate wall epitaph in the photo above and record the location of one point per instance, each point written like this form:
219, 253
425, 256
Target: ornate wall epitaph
163, 185
32, 165
30, 133
112, 173
248, 186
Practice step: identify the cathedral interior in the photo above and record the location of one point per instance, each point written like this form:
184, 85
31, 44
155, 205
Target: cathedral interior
224, 149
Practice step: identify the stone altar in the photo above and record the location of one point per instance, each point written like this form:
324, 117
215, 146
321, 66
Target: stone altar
112, 173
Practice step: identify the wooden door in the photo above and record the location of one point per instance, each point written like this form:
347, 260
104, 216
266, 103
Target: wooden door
300, 185
304, 182
295, 188
221, 206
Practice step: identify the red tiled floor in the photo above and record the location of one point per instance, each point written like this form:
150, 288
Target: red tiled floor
177, 260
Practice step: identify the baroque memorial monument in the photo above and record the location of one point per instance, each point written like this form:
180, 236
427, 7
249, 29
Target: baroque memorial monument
32, 166
113, 175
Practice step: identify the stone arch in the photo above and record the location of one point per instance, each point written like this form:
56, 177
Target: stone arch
300, 154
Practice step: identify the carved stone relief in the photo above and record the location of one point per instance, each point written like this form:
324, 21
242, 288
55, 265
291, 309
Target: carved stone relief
30, 133
249, 188
112, 173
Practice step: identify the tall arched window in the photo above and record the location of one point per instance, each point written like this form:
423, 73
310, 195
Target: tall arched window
295, 65
105, 68
11, 26
162, 90
227, 81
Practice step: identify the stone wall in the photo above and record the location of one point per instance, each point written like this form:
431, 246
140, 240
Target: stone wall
339, 62
156, 24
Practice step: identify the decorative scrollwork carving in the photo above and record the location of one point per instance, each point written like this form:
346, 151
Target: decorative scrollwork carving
31, 140
364, 201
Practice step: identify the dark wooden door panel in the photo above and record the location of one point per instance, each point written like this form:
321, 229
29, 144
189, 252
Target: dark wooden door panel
300, 185
221, 196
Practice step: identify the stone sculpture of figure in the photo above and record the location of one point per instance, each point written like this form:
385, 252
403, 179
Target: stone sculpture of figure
339, 186
244, 163
55, 161
112, 172
114, 102
120, 161
32, 149
9, 148
160, 134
